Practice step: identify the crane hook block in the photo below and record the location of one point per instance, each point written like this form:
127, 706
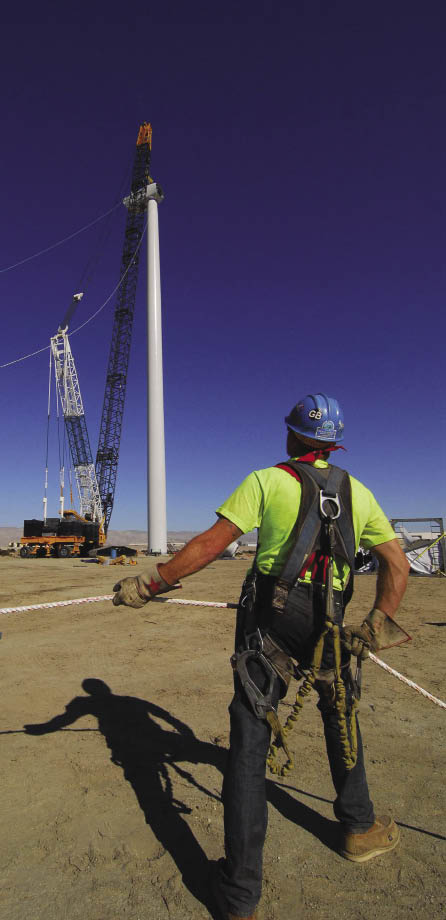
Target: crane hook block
145, 135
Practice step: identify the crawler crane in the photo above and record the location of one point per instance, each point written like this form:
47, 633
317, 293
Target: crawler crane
72, 533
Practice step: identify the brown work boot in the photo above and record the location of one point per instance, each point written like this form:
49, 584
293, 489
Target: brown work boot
382, 837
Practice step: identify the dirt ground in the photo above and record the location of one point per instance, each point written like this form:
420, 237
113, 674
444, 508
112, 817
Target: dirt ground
113, 809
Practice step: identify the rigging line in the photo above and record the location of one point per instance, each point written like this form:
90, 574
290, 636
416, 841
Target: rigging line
78, 328
105, 231
64, 429
64, 444
96, 255
45, 347
49, 413
60, 242
58, 401
24, 357
45, 491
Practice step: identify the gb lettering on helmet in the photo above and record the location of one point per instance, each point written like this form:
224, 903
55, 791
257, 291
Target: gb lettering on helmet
317, 416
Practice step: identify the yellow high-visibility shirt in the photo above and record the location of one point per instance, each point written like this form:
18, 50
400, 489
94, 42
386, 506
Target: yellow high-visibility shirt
269, 500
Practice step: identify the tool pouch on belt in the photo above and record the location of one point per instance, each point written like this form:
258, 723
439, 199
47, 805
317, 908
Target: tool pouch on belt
279, 660
260, 701
275, 664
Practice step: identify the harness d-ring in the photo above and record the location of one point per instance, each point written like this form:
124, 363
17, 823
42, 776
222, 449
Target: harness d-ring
327, 497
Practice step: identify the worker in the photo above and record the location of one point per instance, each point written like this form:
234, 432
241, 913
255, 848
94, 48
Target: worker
290, 620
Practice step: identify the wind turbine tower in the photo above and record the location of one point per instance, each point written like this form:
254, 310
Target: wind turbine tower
148, 197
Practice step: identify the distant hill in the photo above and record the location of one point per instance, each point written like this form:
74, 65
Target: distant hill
114, 537
139, 537
136, 538
8, 534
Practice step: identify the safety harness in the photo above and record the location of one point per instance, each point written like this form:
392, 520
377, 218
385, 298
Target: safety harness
323, 529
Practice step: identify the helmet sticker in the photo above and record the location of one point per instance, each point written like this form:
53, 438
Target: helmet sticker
315, 413
326, 432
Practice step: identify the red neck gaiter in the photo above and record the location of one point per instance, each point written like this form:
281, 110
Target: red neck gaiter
318, 454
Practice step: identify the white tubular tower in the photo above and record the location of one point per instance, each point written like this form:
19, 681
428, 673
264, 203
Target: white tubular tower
156, 459
149, 197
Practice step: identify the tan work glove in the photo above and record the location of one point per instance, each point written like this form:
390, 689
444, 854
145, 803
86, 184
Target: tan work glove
135, 592
361, 640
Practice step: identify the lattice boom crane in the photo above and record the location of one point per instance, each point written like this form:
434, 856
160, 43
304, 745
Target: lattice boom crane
72, 533
115, 387
73, 411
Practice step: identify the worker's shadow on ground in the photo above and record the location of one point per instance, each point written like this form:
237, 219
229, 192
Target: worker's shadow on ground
325, 830
146, 752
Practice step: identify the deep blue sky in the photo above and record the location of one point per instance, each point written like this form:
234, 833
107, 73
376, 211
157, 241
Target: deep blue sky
301, 148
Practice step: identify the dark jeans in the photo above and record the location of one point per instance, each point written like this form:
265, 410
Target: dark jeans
244, 787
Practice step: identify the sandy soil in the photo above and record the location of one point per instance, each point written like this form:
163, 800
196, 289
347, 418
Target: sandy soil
113, 811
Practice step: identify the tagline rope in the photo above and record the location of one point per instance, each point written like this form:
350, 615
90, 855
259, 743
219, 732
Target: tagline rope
109, 597
177, 600
406, 680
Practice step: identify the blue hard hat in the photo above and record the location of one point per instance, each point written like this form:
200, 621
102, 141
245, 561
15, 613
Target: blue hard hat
317, 416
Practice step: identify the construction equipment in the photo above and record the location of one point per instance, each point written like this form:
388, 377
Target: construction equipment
96, 484
76, 427
425, 551
70, 535
116, 380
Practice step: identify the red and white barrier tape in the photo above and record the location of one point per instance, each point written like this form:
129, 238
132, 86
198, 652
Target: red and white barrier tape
177, 600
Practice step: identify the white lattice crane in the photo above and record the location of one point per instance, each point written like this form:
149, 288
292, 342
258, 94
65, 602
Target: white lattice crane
68, 388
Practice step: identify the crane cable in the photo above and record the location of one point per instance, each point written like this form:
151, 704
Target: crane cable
45, 489
78, 328
45, 347
94, 259
60, 242
60, 441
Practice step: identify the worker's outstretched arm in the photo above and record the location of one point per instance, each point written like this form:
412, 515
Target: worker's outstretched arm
135, 592
392, 576
200, 551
